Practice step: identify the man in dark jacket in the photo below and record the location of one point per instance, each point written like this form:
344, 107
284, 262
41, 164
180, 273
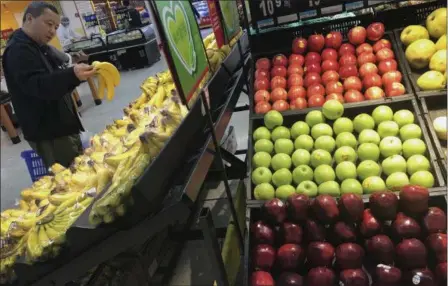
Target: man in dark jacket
41, 86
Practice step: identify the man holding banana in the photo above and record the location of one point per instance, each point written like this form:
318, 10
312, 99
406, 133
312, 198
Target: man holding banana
40, 86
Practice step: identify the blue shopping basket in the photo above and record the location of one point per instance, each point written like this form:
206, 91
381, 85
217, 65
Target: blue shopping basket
35, 164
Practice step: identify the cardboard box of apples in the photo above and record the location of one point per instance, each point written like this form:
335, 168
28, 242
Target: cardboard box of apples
396, 239
325, 67
340, 150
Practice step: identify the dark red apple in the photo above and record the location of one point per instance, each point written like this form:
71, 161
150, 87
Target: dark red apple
274, 211
406, 227
325, 208
346, 48
366, 58
279, 71
333, 40
372, 80
296, 59
414, 200
374, 92
364, 48
312, 67
295, 80
344, 232
386, 275
394, 89
280, 60
297, 207
329, 76
434, 220
353, 96
290, 279
375, 31
298, 103
335, 96
262, 73
334, 87
290, 257
357, 35
381, 249
262, 95
320, 254
385, 54
278, 94
278, 81
353, 277
299, 46
263, 63
312, 57
316, 43
348, 60
383, 43
390, 77
315, 89
441, 272
280, 105
261, 84
436, 243
311, 78
349, 256
320, 276
384, 205
353, 82
291, 233
347, 71
330, 65
370, 225
411, 254
263, 257
262, 233
421, 277
329, 54
387, 65
295, 69
314, 230
316, 101
261, 278
296, 92
262, 107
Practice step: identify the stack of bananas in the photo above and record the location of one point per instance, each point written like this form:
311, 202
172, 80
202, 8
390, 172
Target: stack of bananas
217, 55
108, 79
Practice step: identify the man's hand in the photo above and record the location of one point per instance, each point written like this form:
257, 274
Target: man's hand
79, 57
83, 71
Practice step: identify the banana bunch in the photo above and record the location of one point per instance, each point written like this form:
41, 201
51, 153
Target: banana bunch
10, 250
236, 38
108, 79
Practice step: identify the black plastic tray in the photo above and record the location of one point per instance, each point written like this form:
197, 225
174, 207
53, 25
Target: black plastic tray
287, 51
433, 107
351, 112
437, 198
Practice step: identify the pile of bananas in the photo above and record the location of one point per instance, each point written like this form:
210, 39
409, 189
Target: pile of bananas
108, 79
217, 55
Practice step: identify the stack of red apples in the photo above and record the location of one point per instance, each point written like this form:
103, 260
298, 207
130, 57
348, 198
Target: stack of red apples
323, 68
323, 242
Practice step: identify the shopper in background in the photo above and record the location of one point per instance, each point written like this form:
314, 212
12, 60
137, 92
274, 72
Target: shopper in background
134, 20
65, 33
41, 87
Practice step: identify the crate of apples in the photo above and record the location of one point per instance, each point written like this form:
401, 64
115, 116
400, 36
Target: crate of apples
321, 68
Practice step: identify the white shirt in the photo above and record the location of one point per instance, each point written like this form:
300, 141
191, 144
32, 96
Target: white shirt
66, 35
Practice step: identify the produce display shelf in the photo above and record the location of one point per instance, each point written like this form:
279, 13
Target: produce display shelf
253, 213
433, 107
351, 112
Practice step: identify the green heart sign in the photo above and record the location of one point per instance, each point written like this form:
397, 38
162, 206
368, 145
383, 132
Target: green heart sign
178, 31
229, 12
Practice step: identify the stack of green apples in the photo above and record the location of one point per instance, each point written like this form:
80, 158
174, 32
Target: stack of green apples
331, 154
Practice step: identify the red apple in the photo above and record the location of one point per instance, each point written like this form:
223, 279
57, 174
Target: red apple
261, 278
367, 68
353, 95
278, 81
262, 107
279, 94
386, 275
329, 54
349, 255
347, 71
320, 254
262, 233
375, 31
290, 257
385, 54
316, 43
261, 73
296, 92
312, 67
394, 89
384, 205
312, 57
311, 78
348, 60
441, 272
383, 43
434, 220
346, 48
263, 63
372, 80
405, 227
374, 92
314, 230
329, 76
279, 71
299, 46
262, 95
297, 206
357, 35
333, 40
295, 69
335, 96
334, 87
263, 257
320, 276
387, 66
290, 279
291, 233
299, 103
280, 60
414, 200
366, 58
411, 254
353, 82
381, 248
330, 65
295, 80
370, 225
436, 243
325, 208
364, 48
261, 84
316, 101
315, 89
296, 59
344, 232
390, 77
280, 105
351, 208
353, 277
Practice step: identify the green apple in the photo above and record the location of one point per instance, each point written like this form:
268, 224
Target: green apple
417, 163
403, 117
264, 191
388, 128
302, 173
368, 168
304, 142
346, 170
282, 177
351, 186
342, 124
413, 146
329, 188
261, 175
280, 132
308, 188
396, 181
324, 173
321, 129
368, 151
326, 143
390, 146
382, 113
264, 145
394, 163
314, 117
346, 139
283, 146
261, 159
261, 133
410, 131
299, 128
280, 161
345, 153
333, 109
363, 121
301, 157
284, 192
373, 184
273, 119
422, 178
320, 157
369, 136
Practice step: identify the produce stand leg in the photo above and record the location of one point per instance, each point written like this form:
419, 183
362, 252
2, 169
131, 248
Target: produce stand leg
6, 121
76, 98
94, 91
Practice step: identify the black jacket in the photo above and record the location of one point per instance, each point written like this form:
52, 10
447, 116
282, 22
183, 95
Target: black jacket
40, 87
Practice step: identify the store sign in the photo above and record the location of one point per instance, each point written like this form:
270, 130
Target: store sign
185, 51
231, 18
218, 29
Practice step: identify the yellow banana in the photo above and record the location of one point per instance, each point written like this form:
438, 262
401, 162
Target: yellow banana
29, 194
55, 236
23, 205
111, 69
58, 198
34, 249
43, 203
44, 240
115, 160
57, 168
101, 85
